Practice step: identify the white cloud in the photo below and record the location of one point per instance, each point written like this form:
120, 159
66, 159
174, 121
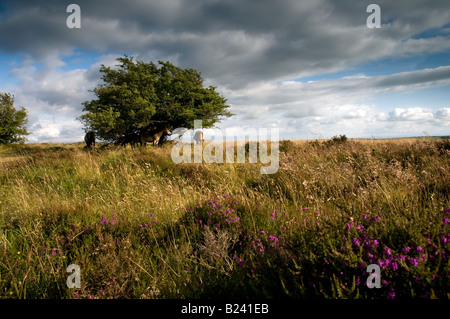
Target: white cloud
294, 99
443, 114
411, 114
62, 131
53, 97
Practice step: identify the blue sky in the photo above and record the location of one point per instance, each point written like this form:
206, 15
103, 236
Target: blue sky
312, 69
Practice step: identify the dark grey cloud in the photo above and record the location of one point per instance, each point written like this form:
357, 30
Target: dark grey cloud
232, 42
250, 49
416, 77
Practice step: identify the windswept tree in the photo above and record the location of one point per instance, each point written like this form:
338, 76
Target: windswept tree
137, 95
12, 121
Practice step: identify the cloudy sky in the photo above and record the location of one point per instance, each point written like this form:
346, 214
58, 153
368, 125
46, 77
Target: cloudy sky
313, 69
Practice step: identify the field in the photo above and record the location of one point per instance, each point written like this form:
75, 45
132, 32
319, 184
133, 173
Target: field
140, 226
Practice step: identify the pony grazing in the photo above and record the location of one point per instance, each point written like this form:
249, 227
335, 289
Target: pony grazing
154, 135
89, 138
198, 137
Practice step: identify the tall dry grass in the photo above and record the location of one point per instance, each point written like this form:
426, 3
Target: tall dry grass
141, 226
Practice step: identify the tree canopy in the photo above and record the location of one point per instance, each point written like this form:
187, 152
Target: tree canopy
138, 95
12, 121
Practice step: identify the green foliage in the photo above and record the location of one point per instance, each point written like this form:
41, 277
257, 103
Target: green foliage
12, 121
138, 95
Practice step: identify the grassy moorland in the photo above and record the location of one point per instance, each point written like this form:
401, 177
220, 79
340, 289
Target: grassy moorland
140, 226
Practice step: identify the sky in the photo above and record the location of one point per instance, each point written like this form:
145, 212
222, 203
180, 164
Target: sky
312, 69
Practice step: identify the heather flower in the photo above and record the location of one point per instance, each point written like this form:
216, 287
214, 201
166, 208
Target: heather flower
394, 265
388, 251
445, 220
391, 295
368, 245
414, 261
273, 238
376, 243
356, 242
420, 249
385, 263
376, 218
